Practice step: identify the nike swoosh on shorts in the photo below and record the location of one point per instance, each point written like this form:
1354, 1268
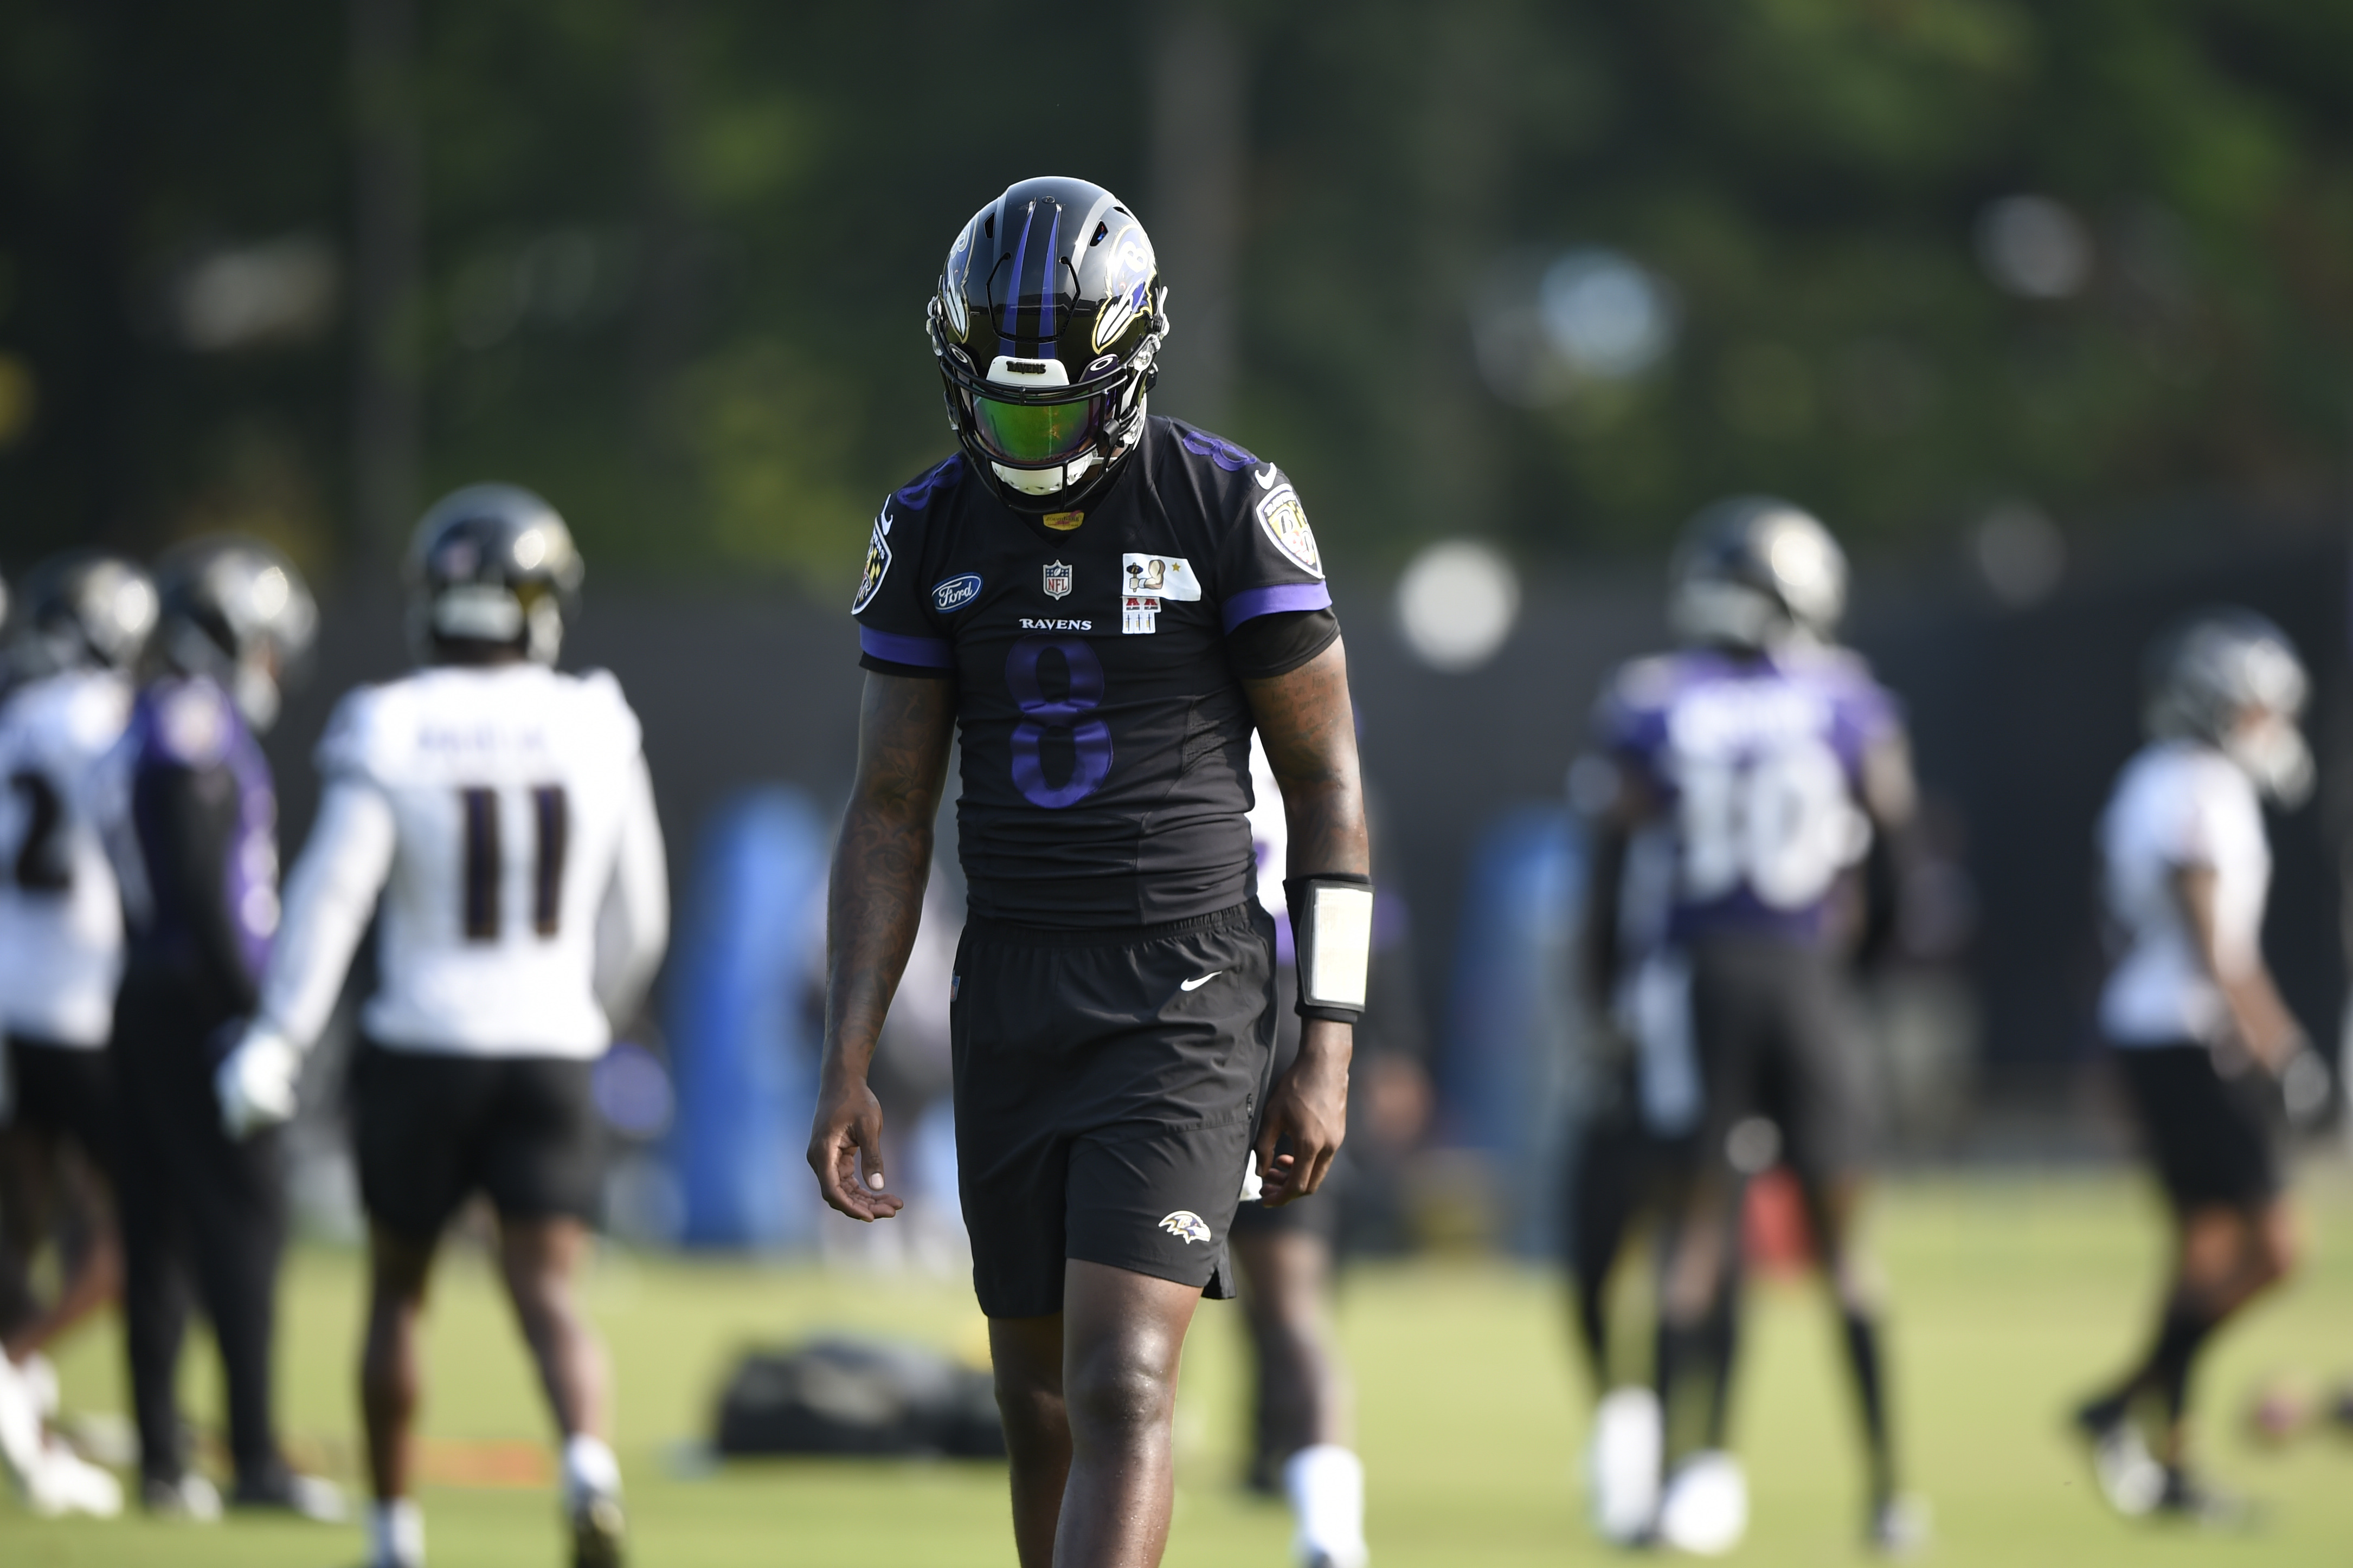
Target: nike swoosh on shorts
1196, 984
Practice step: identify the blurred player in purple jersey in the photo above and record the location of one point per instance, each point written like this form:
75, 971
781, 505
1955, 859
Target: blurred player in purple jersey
191, 810
1775, 763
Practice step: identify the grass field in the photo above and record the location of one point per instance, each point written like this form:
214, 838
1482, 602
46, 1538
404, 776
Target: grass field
2012, 1296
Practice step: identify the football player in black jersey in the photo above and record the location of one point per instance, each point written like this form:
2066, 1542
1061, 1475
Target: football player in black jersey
1102, 605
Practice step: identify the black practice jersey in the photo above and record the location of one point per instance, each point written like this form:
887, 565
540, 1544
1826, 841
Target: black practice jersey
1106, 738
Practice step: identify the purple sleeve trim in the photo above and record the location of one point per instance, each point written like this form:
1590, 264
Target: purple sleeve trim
929, 653
1253, 602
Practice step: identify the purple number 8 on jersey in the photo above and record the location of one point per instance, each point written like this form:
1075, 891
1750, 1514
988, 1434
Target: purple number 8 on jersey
1090, 737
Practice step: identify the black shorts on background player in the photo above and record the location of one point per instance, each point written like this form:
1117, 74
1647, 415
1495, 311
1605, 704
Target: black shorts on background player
433, 1129
1771, 1024
2214, 1140
1107, 1084
64, 1090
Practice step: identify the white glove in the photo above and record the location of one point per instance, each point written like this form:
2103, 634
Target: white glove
255, 1084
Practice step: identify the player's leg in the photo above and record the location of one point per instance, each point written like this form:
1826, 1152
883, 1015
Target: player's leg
540, 1168
2214, 1144
1304, 1418
415, 1133
1027, 1356
541, 1259
392, 1381
56, 1186
151, 1206
1123, 1339
235, 1199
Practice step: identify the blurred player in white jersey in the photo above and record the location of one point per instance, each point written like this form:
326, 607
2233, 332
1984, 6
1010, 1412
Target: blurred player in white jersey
2211, 1056
81, 621
190, 810
1777, 762
503, 813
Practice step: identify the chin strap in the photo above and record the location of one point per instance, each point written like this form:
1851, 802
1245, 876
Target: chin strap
1332, 926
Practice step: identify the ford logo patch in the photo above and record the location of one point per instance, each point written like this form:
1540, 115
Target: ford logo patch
956, 592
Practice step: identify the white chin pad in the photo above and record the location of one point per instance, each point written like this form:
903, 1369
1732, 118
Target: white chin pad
479, 612
1047, 481
1343, 945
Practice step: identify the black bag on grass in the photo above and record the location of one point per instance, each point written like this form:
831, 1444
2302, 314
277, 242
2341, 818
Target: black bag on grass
859, 1396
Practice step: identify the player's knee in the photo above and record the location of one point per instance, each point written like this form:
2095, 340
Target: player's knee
1116, 1392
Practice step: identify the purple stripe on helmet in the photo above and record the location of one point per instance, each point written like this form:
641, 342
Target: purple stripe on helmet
1045, 280
927, 653
1020, 255
1254, 602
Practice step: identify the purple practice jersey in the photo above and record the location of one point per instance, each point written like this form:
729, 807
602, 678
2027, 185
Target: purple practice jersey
197, 848
1105, 733
1758, 764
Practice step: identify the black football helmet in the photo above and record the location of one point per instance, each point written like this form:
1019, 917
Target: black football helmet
2231, 679
85, 609
1755, 572
1048, 319
492, 564
236, 610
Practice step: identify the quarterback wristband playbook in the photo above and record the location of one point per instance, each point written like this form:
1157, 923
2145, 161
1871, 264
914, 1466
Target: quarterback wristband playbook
1332, 927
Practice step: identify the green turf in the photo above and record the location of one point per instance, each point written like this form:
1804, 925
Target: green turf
2011, 1295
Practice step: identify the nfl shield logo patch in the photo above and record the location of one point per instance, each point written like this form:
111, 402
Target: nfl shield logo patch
1058, 580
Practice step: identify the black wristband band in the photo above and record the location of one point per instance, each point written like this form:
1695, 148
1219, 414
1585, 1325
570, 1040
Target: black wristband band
1331, 928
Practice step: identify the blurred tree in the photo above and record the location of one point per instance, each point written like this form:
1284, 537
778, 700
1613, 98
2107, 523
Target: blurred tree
670, 256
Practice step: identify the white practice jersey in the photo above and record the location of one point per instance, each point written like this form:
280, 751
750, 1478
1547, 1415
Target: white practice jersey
2179, 805
506, 816
1270, 825
61, 916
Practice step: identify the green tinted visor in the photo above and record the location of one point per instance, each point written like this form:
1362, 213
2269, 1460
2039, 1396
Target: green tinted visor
1034, 433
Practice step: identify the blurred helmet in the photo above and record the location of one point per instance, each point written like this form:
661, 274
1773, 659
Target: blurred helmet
1050, 314
1755, 573
492, 565
85, 609
2231, 679
237, 611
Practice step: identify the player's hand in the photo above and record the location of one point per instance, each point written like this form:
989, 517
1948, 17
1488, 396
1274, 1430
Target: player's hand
1309, 1107
848, 1126
255, 1085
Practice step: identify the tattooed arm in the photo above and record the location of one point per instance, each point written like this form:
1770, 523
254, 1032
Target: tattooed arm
1310, 731
872, 908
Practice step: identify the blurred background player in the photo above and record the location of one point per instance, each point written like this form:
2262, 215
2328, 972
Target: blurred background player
1777, 761
1301, 1436
2210, 1056
79, 629
1642, 1102
191, 815
504, 813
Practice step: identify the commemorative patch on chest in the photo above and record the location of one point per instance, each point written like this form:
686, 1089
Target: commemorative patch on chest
1158, 576
1285, 521
1139, 615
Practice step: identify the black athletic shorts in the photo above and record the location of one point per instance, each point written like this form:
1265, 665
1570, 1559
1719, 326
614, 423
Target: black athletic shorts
1318, 1213
1773, 1026
432, 1129
65, 1091
1106, 1085
2214, 1140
